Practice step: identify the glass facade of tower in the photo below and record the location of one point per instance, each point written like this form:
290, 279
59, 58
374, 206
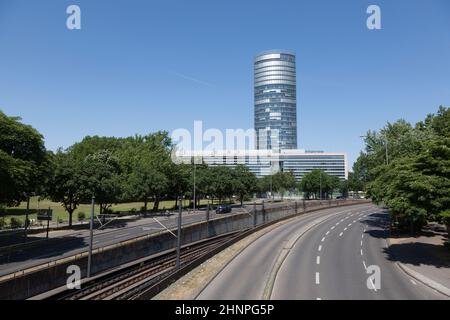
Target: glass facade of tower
275, 100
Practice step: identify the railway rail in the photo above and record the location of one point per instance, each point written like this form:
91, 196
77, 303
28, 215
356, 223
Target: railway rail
128, 283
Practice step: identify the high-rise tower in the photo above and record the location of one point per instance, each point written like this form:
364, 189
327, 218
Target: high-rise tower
275, 100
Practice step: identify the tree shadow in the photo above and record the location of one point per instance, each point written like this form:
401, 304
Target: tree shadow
414, 253
418, 253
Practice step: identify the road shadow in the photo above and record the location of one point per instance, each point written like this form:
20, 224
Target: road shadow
53, 248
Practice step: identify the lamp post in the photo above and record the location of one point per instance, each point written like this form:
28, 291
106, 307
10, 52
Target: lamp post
179, 233
91, 236
320, 185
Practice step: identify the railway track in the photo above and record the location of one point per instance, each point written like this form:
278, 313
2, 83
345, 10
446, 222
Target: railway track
127, 284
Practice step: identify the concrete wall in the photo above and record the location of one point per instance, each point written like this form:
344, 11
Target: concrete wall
34, 283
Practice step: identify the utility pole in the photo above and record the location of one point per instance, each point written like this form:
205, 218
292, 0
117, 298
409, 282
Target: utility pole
321, 185
194, 187
27, 220
91, 236
179, 234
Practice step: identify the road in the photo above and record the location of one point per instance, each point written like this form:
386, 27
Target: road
319, 256
73, 243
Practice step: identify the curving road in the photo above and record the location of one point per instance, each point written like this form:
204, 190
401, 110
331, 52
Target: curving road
319, 256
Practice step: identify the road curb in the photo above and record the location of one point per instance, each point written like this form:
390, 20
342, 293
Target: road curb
421, 278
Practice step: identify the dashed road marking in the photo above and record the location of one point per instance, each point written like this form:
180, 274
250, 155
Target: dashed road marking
361, 243
320, 248
328, 232
323, 239
340, 234
361, 252
317, 278
413, 282
332, 228
345, 229
121, 235
318, 260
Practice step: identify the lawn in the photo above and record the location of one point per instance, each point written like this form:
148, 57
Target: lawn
59, 212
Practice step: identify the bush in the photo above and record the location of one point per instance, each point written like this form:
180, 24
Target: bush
15, 223
60, 220
2, 223
81, 216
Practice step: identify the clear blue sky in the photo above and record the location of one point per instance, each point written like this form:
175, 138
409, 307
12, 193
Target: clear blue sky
142, 66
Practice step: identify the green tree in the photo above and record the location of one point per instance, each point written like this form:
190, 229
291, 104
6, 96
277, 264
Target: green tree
245, 182
101, 178
24, 162
64, 182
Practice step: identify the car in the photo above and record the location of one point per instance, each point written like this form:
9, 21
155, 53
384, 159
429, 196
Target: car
223, 209
340, 198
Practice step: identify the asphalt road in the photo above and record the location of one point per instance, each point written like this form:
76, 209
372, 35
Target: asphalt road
78, 241
319, 256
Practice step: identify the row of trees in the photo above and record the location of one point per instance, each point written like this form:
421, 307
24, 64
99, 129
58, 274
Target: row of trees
132, 169
408, 169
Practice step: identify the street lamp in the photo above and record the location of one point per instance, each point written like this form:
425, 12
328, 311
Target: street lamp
91, 237
320, 184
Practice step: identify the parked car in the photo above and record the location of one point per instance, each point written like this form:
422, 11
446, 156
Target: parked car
223, 209
340, 198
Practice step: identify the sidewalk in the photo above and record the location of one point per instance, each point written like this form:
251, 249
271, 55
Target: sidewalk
424, 258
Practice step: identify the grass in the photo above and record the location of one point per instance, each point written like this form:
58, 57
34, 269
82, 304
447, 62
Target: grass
59, 212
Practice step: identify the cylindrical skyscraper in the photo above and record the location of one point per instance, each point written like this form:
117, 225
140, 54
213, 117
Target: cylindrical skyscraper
275, 100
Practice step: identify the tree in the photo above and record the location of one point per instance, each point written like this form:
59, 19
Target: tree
101, 178
416, 183
282, 182
24, 162
64, 183
244, 182
318, 180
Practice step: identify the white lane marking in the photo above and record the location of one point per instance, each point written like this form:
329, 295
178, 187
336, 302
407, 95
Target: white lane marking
361, 243
349, 225
317, 278
320, 248
332, 228
318, 260
323, 239
340, 234
361, 252
345, 229
354, 221
337, 224
364, 263
413, 282
327, 233
121, 235
319, 299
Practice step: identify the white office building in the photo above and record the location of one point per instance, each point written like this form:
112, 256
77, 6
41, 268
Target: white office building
265, 162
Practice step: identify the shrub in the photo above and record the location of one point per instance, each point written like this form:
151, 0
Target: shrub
81, 216
15, 223
2, 223
60, 220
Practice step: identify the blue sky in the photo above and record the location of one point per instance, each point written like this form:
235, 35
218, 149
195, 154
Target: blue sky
141, 66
